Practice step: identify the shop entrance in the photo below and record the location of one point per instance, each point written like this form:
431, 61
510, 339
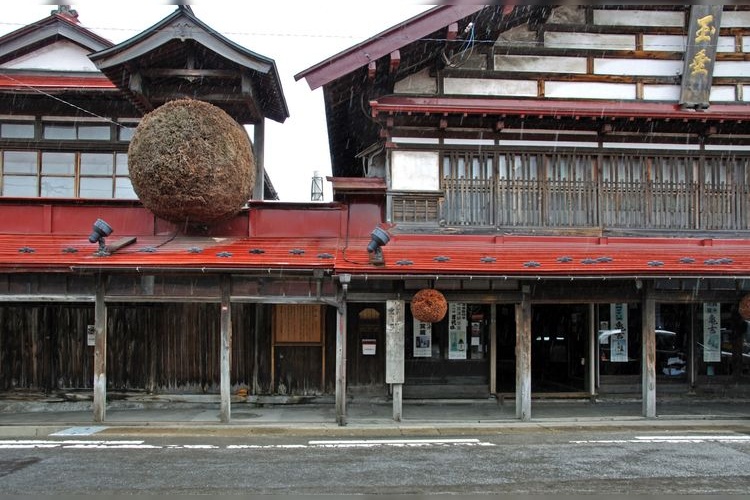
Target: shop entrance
559, 335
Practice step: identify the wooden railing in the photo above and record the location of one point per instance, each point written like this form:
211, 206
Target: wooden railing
584, 204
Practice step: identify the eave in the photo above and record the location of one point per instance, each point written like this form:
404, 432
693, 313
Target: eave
24, 81
384, 43
555, 108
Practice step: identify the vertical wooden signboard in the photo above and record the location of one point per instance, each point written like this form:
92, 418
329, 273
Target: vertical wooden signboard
394, 352
700, 55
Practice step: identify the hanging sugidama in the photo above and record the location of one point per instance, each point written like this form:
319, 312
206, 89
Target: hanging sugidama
428, 305
192, 163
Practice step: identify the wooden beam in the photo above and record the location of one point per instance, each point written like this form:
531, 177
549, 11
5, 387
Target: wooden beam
100, 352
395, 61
452, 32
192, 73
372, 68
523, 358
226, 349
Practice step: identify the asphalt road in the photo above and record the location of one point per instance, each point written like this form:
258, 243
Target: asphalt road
539, 462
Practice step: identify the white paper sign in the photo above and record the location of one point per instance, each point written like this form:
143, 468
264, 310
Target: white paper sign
711, 332
422, 339
618, 350
457, 331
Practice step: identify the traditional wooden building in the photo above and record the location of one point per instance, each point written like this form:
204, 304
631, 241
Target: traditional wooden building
573, 179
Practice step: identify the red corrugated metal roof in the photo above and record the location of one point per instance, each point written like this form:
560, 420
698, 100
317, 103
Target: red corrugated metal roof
405, 254
35, 252
550, 256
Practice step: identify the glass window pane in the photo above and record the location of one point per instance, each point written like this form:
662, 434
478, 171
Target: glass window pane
124, 189
121, 159
19, 162
96, 164
126, 133
17, 130
94, 132
20, 185
66, 132
96, 187
57, 187
58, 163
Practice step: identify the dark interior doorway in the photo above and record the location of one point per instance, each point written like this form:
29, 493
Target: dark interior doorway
558, 347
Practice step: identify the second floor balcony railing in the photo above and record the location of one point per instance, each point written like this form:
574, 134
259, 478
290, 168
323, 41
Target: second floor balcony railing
665, 191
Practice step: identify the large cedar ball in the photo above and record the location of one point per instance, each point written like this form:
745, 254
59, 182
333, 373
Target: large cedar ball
190, 162
428, 305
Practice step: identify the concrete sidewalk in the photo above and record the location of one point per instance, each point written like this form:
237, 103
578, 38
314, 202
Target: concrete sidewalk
366, 417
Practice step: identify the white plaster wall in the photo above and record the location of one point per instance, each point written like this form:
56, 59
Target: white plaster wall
735, 19
62, 55
415, 170
661, 92
487, 86
565, 40
415, 140
641, 67
469, 142
664, 43
548, 64
640, 18
723, 93
589, 90
652, 145
732, 68
418, 83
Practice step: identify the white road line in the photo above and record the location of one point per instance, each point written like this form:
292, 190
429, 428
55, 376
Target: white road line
80, 444
670, 439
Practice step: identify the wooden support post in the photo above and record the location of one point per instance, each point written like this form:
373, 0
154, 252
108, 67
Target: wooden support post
256, 339
226, 350
341, 364
593, 352
523, 358
648, 360
259, 150
394, 352
493, 349
100, 352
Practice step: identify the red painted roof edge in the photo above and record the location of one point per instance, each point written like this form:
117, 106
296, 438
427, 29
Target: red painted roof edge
23, 81
384, 43
551, 107
341, 184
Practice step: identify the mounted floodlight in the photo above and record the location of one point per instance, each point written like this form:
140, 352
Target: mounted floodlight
101, 230
380, 238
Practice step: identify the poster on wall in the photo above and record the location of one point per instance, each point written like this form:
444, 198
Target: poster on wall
457, 324
711, 332
422, 339
618, 349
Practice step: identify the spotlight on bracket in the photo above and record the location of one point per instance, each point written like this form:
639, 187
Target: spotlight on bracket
101, 230
379, 238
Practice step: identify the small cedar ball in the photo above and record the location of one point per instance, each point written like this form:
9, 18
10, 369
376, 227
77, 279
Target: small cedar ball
428, 305
192, 163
